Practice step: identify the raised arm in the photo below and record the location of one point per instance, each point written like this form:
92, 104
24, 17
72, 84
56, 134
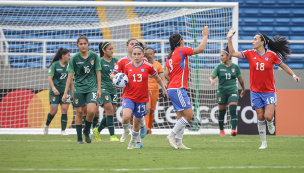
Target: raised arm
241, 81
290, 72
203, 44
230, 46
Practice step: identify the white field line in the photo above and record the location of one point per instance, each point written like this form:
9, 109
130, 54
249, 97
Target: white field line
116, 170
254, 167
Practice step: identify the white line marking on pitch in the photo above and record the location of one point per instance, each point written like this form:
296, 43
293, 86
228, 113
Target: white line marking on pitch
117, 170
253, 167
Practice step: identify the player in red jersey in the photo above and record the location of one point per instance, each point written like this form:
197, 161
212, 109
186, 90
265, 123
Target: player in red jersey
262, 84
177, 72
136, 94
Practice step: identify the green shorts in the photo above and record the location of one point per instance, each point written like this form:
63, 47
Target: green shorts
80, 99
226, 98
107, 98
57, 99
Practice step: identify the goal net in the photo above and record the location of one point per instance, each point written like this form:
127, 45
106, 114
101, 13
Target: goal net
32, 32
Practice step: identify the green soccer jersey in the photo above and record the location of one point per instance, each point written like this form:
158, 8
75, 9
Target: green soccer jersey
106, 70
85, 79
227, 77
60, 76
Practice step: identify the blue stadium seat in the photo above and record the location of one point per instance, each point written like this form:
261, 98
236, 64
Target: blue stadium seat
247, 37
245, 47
299, 2
29, 36
296, 60
13, 36
298, 12
244, 65
18, 64
47, 64
192, 65
16, 46
268, 2
282, 20
298, 21
95, 37
284, 12
284, 2
46, 37
151, 37
297, 37
51, 46
297, 48
296, 66
211, 65
31, 58
297, 29
252, 2
49, 58
62, 37
268, 21
268, 29
267, 12
16, 58
35, 64
281, 29
251, 29
252, 12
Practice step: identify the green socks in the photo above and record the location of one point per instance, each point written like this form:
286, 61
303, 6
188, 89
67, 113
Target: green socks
234, 118
102, 124
49, 119
87, 126
95, 121
79, 132
64, 121
83, 119
221, 118
110, 124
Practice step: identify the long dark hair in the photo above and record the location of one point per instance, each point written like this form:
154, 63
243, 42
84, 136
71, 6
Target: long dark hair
226, 50
278, 45
140, 46
174, 41
131, 40
103, 46
61, 51
82, 37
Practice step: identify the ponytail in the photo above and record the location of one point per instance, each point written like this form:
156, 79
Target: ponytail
278, 45
58, 56
174, 41
140, 46
103, 46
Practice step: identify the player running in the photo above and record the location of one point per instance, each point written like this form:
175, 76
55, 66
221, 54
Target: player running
120, 67
153, 88
262, 83
227, 92
136, 94
108, 99
177, 72
57, 79
87, 80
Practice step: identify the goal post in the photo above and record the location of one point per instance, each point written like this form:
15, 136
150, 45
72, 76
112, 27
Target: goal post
31, 32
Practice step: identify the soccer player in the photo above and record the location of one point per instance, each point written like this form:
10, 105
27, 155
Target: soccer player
262, 83
177, 72
57, 79
136, 94
108, 99
153, 88
227, 92
87, 85
120, 67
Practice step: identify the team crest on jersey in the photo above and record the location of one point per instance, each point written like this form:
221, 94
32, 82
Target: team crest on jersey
92, 62
106, 97
220, 98
142, 70
50, 70
266, 59
76, 101
116, 67
233, 70
54, 98
155, 68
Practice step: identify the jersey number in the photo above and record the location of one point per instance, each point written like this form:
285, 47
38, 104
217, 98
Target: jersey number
271, 100
139, 76
261, 66
63, 75
171, 66
144, 109
228, 75
86, 69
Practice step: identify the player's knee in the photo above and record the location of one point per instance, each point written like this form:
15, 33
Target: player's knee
53, 111
109, 110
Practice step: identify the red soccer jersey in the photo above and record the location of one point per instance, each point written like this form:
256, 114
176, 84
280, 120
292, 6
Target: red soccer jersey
261, 70
137, 89
120, 65
178, 67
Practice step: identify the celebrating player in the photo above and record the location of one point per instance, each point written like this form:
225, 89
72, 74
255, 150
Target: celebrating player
262, 84
177, 72
153, 88
136, 94
57, 79
108, 99
87, 80
227, 92
120, 67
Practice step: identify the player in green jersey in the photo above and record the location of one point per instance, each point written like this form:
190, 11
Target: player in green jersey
86, 68
57, 79
108, 99
227, 92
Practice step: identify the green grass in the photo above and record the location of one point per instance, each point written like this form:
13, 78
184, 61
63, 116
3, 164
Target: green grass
36, 152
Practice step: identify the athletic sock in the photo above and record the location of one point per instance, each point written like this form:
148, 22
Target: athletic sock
95, 121
262, 130
151, 121
49, 119
134, 136
79, 132
131, 127
142, 122
234, 118
221, 117
138, 139
126, 127
180, 124
102, 124
179, 137
83, 119
64, 121
87, 126
110, 124
147, 118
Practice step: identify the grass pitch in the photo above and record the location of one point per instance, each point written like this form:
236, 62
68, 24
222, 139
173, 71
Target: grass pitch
209, 153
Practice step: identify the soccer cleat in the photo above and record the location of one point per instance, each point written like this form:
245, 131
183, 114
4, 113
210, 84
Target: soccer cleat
271, 127
114, 138
96, 134
171, 142
79, 141
222, 132
46, 130
183, 147
143, 131
139, 145
63, 133
233, 132
148, 131
124, 136
263, 146
131, 145
87, 137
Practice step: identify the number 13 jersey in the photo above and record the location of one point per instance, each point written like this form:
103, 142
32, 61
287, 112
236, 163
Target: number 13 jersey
261, 70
